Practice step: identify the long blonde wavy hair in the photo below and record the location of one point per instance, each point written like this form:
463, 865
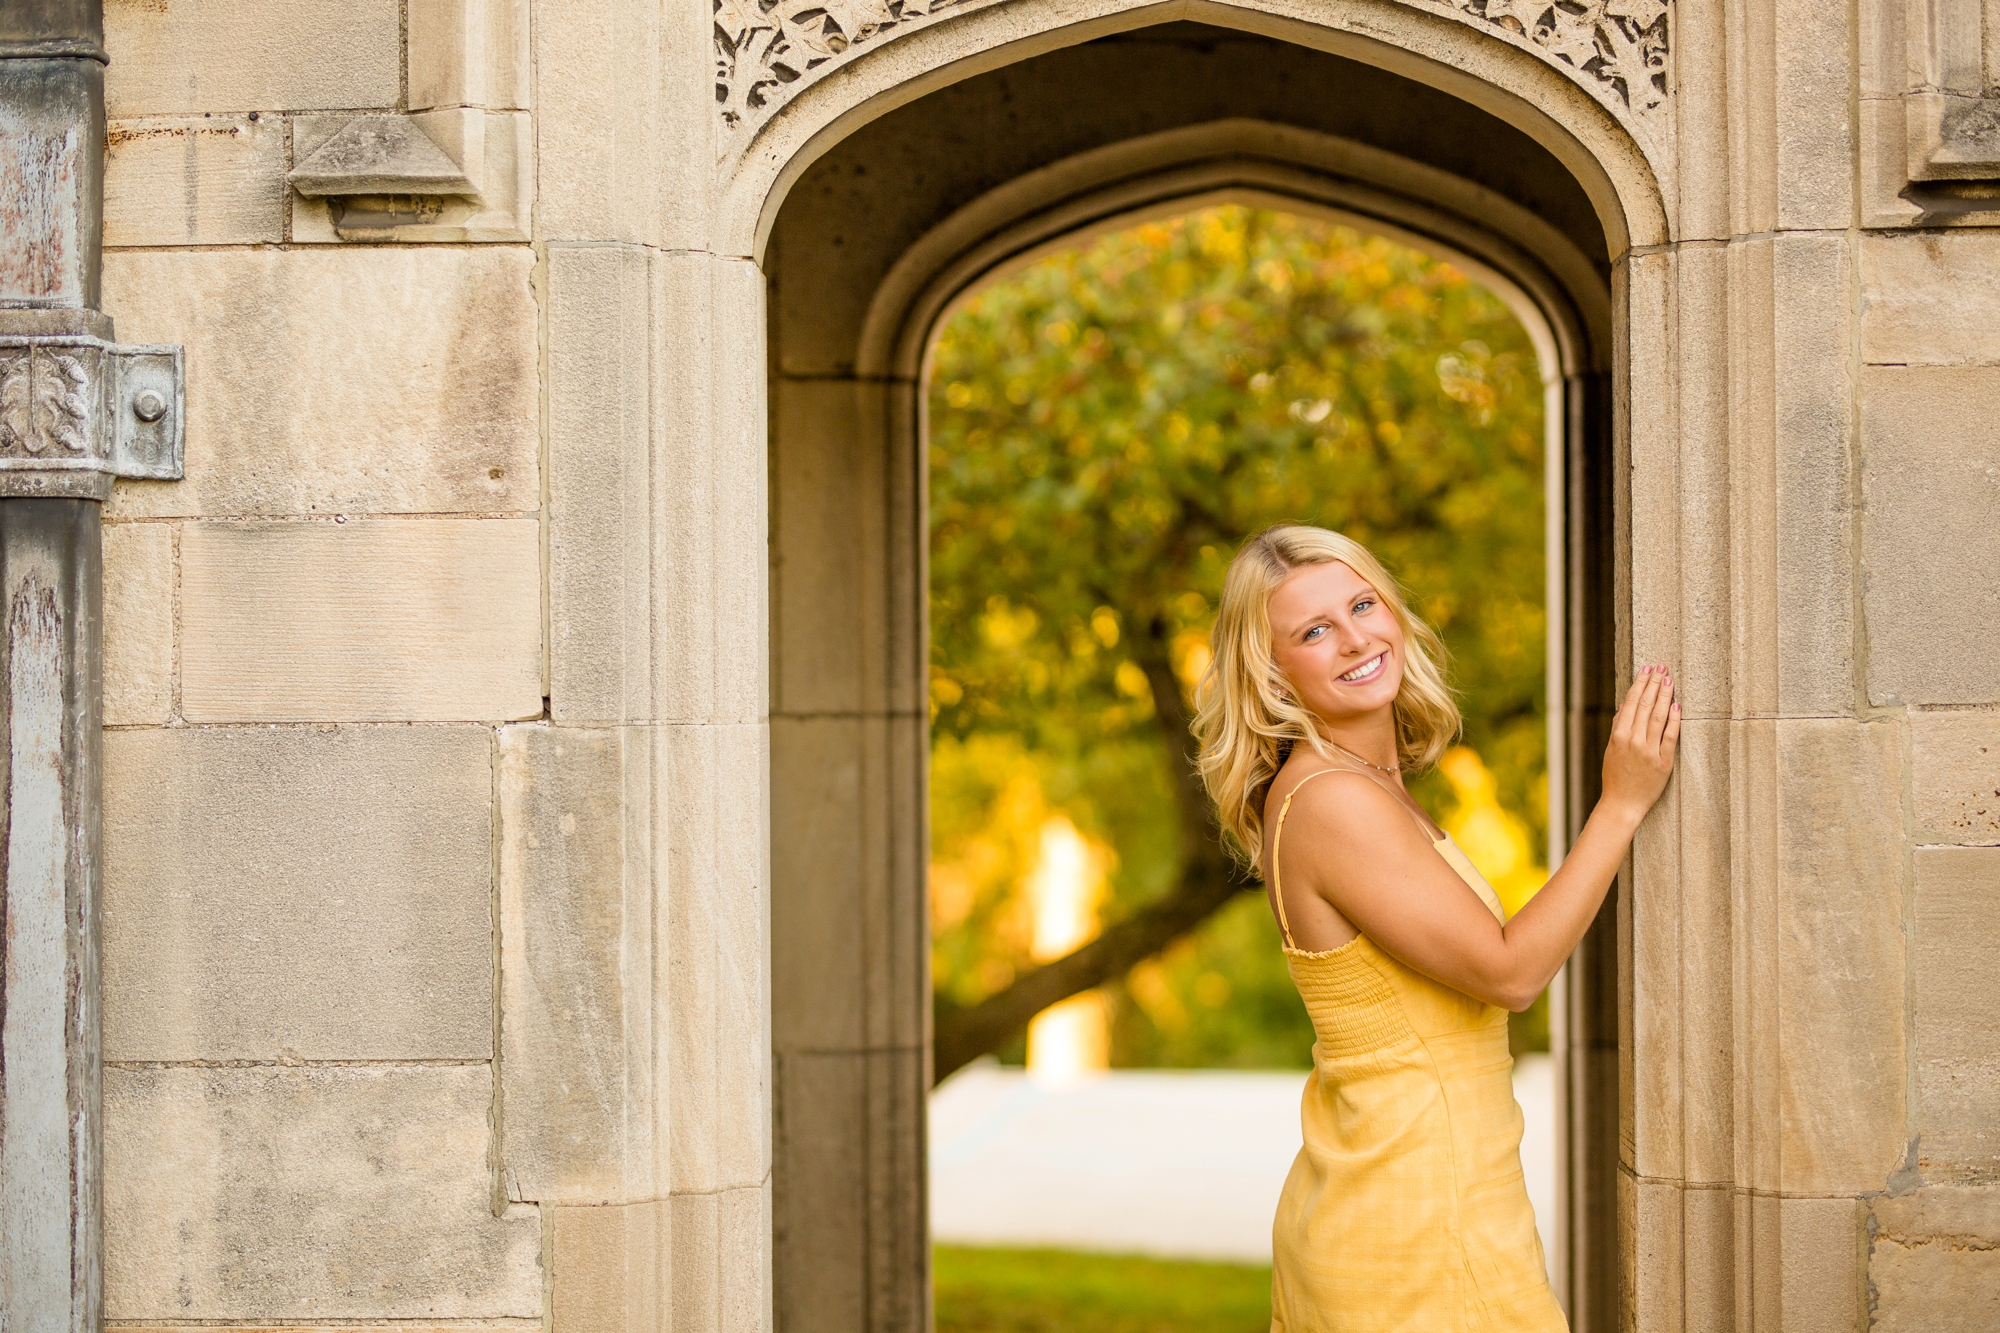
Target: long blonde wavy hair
1246, 720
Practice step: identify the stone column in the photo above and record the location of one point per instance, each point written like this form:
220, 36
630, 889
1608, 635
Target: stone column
75, 410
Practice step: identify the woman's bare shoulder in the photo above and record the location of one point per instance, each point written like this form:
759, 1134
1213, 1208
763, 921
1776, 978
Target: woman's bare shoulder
1324, 785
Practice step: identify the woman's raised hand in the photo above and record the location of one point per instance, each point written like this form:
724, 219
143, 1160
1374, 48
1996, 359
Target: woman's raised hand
1644, 736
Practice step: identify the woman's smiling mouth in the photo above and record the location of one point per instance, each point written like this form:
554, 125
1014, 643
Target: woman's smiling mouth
1366, 671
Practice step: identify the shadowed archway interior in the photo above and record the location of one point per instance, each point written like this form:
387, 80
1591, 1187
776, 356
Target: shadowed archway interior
871, 244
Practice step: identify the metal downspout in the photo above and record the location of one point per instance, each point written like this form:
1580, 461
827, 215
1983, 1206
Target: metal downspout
75, 411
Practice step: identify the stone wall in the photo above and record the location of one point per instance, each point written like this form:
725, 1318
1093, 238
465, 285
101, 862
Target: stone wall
434, 835
439, 825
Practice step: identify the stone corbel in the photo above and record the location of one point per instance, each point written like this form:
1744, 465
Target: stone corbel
458, 167
1951, 112
76, 411
1953, 137
458, 174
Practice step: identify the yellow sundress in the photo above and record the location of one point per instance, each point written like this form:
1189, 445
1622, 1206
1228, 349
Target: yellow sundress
1405, 1211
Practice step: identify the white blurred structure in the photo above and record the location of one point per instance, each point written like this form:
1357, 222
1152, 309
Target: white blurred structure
1069, 1040
1180, 1163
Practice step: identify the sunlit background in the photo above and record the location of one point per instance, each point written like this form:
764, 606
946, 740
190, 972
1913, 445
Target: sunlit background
1105, 427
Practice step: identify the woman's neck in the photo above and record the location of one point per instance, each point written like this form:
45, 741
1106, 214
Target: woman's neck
1370, 737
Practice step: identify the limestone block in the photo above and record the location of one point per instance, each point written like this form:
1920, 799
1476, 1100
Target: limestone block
1657, 1259
1813, 395
611, 1269
1931, 299
1934, 1262
368, 380
820, 1190
735, 481
282, 55
898, 1170
1957, 1012
1705, 461
848, 940
626, 99
584, 1120
138, 623
1955, 776
743, 1249
1683, 1106
298, 894
469, 53
659, 550
210, 180
274, 1194
821, 879
1884, 157
1749, 586
721, 1261
1709, 1245
1840, 956
1930, 466
1701, 107
1814, 128
601, 578
716, 1012
702, 486
829, 577
1816, 1246
1885, 63
1654, 506
391, 620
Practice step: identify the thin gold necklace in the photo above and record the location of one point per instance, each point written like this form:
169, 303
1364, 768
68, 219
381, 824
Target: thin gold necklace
1392, 772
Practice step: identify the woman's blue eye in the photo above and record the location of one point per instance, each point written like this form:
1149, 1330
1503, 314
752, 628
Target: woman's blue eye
1316, 629
1364, 604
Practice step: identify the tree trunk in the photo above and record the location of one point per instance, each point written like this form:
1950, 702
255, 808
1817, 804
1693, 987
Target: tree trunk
1208, 880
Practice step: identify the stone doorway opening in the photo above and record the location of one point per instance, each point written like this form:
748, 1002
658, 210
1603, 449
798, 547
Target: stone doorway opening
884, 225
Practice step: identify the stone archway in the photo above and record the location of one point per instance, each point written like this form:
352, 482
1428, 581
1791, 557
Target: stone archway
896, 198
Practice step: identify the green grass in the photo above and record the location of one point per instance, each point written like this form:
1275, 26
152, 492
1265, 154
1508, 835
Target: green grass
1059, 1291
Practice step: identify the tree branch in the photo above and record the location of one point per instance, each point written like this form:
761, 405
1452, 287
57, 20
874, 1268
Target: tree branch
961, 1034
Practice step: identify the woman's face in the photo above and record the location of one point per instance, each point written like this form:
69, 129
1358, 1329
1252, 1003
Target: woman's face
1340, 648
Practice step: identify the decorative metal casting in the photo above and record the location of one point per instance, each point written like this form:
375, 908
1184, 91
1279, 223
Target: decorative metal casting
762, 47
78, 404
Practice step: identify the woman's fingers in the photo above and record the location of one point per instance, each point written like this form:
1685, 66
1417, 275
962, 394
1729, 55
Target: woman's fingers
1670, 741
1663, 702
1621, 724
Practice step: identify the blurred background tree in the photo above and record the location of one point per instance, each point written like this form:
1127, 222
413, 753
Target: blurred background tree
1106, 425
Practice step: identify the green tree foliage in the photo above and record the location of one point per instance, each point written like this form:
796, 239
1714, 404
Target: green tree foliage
1106, 426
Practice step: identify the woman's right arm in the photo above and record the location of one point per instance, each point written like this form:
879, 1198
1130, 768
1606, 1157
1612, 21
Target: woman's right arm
1379, 871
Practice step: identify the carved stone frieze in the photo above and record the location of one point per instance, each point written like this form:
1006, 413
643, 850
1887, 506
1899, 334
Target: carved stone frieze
764, 49
79, 408
1620, 44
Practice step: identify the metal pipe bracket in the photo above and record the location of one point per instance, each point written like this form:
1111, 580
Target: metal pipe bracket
76, 411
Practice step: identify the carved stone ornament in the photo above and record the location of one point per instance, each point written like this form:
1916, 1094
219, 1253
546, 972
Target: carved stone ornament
76, 411
1617, 48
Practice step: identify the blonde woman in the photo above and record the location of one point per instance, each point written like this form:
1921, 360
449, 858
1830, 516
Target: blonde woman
1406, 1209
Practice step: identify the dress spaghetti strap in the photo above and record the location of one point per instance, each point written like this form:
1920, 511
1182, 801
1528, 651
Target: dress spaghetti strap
1278, 834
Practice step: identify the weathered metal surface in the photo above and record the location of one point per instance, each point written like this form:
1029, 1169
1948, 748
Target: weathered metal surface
75, 410
52, 27
50, 575
81, 405
51, 181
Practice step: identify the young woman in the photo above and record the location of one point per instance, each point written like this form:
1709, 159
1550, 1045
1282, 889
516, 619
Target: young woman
1406, 1210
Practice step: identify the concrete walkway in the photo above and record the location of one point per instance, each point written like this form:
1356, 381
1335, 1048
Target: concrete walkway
1186, 1164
